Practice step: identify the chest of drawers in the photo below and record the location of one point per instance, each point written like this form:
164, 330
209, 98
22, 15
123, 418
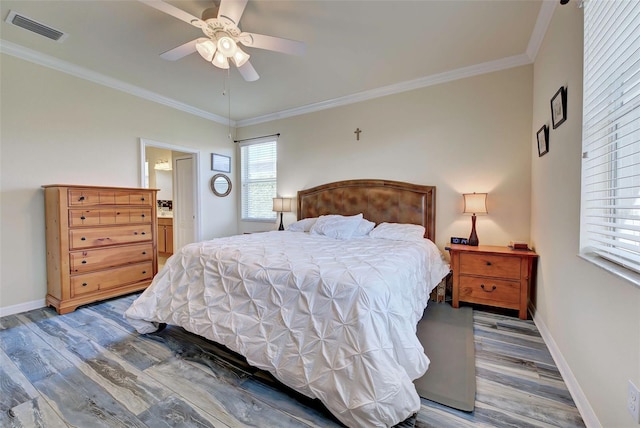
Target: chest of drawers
101, 243
493, 275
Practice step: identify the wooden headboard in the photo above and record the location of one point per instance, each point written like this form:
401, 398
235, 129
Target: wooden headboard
378, 200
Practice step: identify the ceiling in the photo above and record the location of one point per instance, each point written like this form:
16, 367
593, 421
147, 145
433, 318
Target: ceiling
354, 49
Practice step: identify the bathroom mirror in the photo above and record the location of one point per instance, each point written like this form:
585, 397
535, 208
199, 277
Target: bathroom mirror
220, 185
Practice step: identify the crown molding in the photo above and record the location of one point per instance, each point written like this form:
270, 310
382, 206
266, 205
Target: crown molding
542, 24
48, 61
435, 79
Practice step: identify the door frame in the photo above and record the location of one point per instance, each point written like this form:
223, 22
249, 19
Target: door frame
144, 143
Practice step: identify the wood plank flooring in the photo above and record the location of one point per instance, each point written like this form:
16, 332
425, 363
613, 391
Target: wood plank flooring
90, 368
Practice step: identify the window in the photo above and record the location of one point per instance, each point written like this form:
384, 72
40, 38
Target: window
258, 179
610, 212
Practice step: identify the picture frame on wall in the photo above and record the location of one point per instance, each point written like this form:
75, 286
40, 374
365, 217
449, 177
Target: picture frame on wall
559, 107
543, 140
220, 163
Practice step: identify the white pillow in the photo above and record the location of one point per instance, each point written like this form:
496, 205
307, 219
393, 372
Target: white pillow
303, 225
336, 226
364, 228
398, 232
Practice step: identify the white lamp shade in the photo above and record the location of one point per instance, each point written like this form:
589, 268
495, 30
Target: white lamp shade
282, 205
220, 61
227, 46
206, 48
240, 57
475, 203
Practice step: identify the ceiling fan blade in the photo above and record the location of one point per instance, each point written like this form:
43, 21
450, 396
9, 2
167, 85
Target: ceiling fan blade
172, 10
180, 52
248, 72
231, 10
260, 41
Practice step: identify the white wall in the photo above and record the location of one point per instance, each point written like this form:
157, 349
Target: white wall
593, 316
464, 136
60, 129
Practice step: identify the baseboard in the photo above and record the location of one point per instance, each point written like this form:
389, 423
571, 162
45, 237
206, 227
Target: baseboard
586, 411
22, 307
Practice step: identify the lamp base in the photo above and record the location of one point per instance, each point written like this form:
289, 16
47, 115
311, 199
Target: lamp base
282, 225
473, 238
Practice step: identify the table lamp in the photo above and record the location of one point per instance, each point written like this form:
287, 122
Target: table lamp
474, 203
281, 205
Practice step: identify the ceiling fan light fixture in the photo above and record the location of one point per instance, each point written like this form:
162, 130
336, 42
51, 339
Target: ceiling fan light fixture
206, 48
240, 57
227, 46
220, 61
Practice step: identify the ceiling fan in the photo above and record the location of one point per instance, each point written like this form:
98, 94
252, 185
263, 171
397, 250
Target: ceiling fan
222, 44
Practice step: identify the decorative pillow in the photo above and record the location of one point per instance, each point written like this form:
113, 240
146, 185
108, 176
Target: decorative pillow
336, 226
364, 228
303, 225
398, 232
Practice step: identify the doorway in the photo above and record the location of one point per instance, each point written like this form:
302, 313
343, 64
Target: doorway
173, 170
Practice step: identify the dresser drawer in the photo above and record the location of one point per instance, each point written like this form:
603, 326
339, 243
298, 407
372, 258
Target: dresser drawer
91, 260
86, 197
97, 217
102, 236
112, 278
489, 291
490, 265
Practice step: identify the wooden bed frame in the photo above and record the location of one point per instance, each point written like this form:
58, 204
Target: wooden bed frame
378, 200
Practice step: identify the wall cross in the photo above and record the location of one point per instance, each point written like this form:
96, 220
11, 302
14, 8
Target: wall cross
357, 132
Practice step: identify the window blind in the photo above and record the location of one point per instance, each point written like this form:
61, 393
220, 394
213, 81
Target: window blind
610, 212
258, 179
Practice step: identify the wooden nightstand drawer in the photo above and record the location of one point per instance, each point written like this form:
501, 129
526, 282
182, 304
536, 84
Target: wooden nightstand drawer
490, 265
489, 291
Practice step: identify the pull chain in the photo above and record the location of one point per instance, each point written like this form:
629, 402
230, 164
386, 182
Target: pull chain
227, 92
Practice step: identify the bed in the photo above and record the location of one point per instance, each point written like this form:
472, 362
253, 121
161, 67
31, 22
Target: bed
329, 313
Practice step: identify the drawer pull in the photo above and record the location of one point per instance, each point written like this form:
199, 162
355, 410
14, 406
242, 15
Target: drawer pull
84, 284
81, 198
142, 199
82, 218
84, 262
144, 253
142, 215
488, 291
83, 239
488, 263
144, 233
135, 233
144, 272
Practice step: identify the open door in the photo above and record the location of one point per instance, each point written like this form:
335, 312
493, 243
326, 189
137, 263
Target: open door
184, 183
185, 214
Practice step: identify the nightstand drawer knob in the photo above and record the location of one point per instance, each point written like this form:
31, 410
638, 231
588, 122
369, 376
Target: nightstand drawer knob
488, 263
488, 291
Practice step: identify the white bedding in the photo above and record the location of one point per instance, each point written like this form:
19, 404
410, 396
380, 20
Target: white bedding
333, 319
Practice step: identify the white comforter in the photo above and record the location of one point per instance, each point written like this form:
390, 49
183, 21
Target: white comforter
333, 319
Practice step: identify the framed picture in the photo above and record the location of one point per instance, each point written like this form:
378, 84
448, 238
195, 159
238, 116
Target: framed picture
543, 140
559, 107
220, 163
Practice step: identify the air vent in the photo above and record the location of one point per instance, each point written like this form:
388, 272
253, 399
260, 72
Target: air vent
35, 27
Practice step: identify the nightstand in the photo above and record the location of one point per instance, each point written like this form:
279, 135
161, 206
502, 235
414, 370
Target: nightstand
493, 276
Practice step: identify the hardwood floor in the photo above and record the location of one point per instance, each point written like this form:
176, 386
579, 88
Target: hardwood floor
89, 368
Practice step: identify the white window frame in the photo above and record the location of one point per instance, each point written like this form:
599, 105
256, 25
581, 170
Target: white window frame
246, 180
610, 223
